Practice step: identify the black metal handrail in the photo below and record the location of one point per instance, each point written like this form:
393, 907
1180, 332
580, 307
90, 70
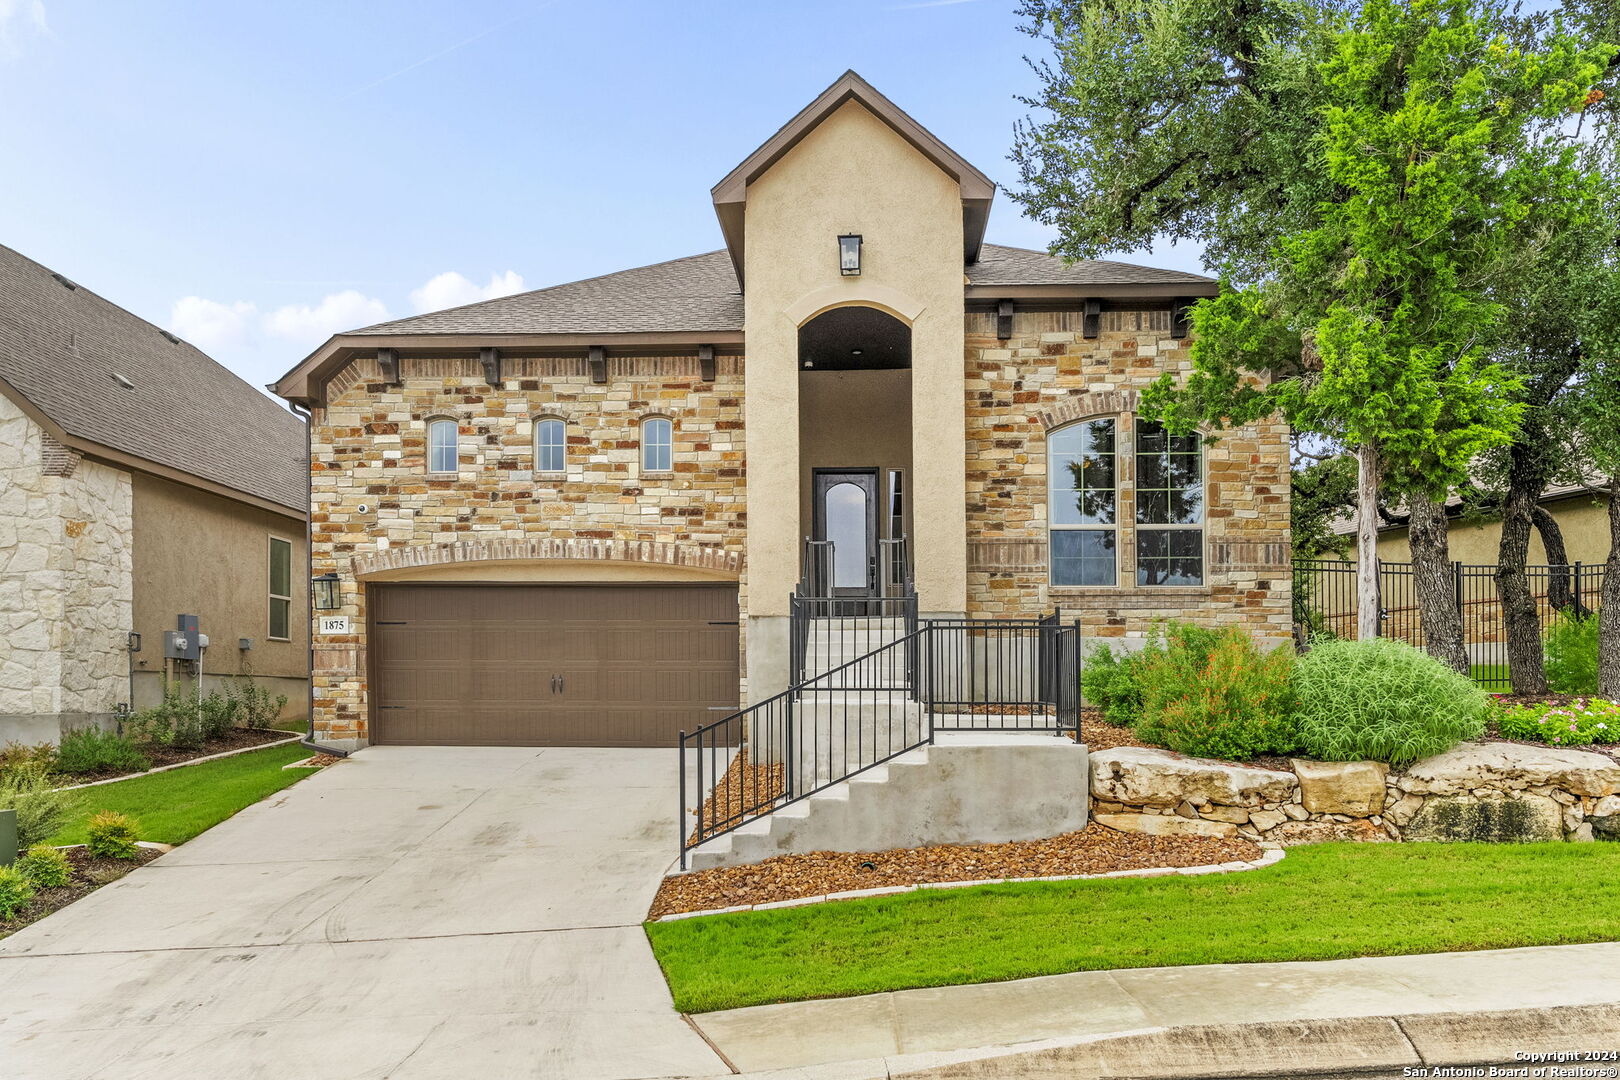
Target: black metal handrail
944, 675
816, 567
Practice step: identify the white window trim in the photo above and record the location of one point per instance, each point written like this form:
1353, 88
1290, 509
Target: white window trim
642, 446
1116, 528
432, 421
270, 588
534, 446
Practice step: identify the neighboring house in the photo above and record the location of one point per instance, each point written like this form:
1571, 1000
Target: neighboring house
139, 481
1580, 511
577, 515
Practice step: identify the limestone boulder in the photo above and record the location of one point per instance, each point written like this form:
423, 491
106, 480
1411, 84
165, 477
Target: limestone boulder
1166, 825
1506, 766
1352, 788
1515, 818
1605, 828
1294, 833
1144, 777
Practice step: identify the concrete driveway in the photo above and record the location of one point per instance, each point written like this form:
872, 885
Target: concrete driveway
411, 912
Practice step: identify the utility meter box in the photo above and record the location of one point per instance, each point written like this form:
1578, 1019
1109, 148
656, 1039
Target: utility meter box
186, 643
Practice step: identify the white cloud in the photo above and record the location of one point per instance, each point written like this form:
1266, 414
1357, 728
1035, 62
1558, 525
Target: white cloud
450, 289
210, 325
17, 13
335, 313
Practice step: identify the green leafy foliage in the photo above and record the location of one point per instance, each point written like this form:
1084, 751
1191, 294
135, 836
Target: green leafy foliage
46, 867
1577, 723
1214, 694
15, 755
1322, 492
41, 808
1571, 645
186, 722
15, 891
96, 750
1383, 700
110, 835
1109, 684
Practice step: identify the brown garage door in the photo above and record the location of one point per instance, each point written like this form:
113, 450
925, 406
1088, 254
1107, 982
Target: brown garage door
550, 665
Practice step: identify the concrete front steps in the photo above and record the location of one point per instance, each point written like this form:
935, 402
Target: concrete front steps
966, 788
830, 643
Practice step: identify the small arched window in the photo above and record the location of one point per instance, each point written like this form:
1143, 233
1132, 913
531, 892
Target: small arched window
1082, 503
657, 449
550, 445
442, 456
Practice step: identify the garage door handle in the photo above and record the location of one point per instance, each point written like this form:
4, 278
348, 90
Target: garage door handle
733, 622
390, 706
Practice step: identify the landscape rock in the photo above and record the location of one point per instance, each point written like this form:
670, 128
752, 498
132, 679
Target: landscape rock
1295, 811
1512, 766
1145, 777
1165, 825
1606, 827
1608, 806
1583, 834
1267, 819
1234, 814
1293, 833
1516, 818
1352, 788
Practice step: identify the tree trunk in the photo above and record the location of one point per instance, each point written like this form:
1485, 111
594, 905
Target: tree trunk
1609, 604
1367, 467
1435, 586
1559, 594
1521, 621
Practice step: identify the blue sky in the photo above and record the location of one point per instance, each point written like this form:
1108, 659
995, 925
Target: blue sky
256, 177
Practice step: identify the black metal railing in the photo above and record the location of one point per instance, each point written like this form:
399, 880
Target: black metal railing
942, 676
1325, 604
888, 572
816, 567
894, 568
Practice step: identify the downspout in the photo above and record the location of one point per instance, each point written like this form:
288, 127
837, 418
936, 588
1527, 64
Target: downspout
309, 576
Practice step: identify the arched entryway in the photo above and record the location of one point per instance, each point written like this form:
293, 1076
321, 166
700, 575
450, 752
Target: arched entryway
854, 451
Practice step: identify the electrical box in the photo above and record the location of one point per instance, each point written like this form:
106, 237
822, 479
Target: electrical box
186, 643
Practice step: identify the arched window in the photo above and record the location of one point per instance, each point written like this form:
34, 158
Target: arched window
550, 445
1082, 503
442, 454
657, 449
1169, 507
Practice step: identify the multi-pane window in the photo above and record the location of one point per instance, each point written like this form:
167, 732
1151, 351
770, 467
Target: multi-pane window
550, 445
441, 446
280, 589
1083, 499
1169, 507
657, 435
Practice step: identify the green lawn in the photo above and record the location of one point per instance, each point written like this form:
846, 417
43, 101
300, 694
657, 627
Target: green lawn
1320, 903
172, 807
1493, 677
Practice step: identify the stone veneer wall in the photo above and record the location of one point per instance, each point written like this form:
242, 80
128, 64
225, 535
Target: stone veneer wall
369, 445
65, 583
1048, 374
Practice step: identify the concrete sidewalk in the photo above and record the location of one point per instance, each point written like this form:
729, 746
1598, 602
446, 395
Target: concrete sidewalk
883, 1034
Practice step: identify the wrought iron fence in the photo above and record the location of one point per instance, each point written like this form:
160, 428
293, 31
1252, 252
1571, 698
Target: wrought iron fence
1325, 603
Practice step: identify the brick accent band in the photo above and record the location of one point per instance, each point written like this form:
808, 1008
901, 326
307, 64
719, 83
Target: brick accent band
1027, 555
572, 549
1099, 403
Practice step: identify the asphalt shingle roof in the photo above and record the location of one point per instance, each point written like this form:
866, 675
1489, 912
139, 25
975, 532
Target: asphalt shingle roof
700, 293
61, 348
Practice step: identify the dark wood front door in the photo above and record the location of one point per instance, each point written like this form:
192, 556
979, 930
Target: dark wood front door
550, 665
846, 512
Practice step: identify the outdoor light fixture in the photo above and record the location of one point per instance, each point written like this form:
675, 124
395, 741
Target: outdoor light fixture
326, 592
849, 255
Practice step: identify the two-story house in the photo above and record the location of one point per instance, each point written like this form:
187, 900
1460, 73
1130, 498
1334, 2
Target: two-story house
581, 515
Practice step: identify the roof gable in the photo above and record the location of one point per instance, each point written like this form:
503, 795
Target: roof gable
731, 194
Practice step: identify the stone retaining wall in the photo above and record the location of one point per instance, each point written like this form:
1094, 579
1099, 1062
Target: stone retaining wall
1478, 791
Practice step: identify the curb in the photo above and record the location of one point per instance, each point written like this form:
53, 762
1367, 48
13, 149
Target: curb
1270, 858
184, 764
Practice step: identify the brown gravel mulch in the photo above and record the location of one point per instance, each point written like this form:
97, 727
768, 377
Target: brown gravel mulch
744, 791
89, 874
319, 761
1094, 850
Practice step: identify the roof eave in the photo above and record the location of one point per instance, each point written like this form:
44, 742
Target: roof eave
1156, 291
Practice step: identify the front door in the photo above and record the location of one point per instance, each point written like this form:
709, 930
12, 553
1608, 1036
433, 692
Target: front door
846, 513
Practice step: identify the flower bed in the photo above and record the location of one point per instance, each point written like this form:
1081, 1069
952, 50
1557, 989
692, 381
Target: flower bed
89, 873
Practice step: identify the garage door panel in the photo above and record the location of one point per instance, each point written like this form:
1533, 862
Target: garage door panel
551, 665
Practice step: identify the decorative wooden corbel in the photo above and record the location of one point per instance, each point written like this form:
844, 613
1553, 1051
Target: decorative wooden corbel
1093, 320
491, 361
1004, 319
706, 363
598, 364
388, 361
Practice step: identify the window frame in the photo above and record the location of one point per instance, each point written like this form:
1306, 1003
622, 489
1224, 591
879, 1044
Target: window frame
561, 447
455, 445
1138, 527
643, 445
274, 597
1116, 528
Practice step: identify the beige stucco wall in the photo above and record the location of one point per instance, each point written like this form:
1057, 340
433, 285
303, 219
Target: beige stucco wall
1584, 521
853, 420
64, 583
201, 554
854, 174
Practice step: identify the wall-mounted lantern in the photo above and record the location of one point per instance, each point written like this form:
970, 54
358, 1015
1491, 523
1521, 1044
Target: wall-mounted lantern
849, 255
326, 592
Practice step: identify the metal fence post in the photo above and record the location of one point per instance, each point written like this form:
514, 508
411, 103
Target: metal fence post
8, 837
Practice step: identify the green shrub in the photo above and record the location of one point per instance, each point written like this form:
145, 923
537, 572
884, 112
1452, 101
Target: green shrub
1212, 693
177, 721
15, 891
1572, 654
16, 755
110, 835
1384, 700
46, 867
1108, 683
216, 714
1579, 723
94, 750
252, 704
42, 810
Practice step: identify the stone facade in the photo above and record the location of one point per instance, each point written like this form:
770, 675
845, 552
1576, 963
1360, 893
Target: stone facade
65, 583
369, 448
1049, 374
